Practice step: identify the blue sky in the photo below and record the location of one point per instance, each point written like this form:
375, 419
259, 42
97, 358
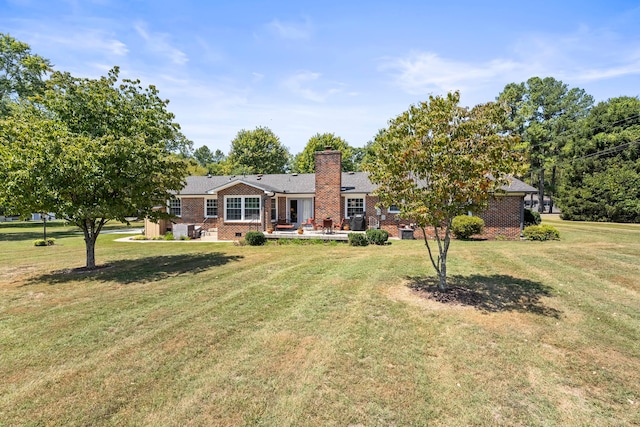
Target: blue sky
346, 67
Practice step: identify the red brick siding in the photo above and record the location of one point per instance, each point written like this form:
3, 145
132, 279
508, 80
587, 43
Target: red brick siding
237, 230
282, 208
192, 210
328, 183
193, 213
502, 219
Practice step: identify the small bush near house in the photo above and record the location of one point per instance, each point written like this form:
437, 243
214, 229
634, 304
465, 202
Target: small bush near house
541, 233
358, 239
41, 242
255, 238
140, 237
464, 226
168, 236
377, 237
531, 217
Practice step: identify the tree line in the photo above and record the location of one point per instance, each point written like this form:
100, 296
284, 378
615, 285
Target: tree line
260, 151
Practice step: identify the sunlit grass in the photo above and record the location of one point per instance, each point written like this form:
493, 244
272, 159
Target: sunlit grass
217, 334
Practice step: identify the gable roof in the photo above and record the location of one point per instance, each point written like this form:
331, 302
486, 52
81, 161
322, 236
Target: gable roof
303, 183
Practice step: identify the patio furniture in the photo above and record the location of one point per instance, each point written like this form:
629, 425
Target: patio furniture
284, 225
327, 226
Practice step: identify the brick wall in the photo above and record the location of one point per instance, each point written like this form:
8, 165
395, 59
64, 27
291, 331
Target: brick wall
193, 213
328, 184
192, 210
502, 219
237, 230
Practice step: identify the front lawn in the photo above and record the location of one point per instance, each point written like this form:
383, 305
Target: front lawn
179, 334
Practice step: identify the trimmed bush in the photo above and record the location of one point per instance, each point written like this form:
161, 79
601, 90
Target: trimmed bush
168, 236
531, 217
255, 238
465, 226
358, 239
140, 237
377, 237
541, 233
41, 242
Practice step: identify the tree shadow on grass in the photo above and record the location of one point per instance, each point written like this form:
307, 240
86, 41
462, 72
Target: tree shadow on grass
142, 270
495, 293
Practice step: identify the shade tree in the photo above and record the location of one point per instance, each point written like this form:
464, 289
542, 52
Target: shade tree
93, 150
438, 160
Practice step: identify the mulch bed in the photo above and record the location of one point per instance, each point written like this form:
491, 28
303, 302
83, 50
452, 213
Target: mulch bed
453, 295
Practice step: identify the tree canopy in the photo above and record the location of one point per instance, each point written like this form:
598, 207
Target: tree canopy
438, 160
258, 151
21, 72
91, 151
601, 175
545, 113
305, 161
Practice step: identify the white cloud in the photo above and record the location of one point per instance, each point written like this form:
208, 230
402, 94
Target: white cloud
291, 30
85, 40
578, 57
302, 84
423, 72
159, 43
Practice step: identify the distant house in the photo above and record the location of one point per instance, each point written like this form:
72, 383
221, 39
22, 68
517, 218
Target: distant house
234, 205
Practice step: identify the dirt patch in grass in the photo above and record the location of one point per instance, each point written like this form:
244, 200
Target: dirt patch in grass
496, 293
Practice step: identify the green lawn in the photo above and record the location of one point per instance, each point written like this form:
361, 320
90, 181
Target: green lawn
215, 334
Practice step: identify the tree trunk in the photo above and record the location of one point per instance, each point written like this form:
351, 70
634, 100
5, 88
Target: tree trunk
90, 245
553, 188
440, 265
541, 191
91, 228
442, 274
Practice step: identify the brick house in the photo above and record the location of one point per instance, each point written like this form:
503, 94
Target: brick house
234, 205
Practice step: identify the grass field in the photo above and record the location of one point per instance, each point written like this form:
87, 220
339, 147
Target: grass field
203, 334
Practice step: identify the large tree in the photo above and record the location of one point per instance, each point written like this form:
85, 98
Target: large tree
21, 72
258, 151
601, 176
439, 160
305, 161
546, 114
92, 151
203, 155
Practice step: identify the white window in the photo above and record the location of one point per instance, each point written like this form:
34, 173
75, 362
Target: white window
242, 208
211, 208
354, 206
274, 209
393, 209
175, 207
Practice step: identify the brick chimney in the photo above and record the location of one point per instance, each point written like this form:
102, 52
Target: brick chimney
328, 183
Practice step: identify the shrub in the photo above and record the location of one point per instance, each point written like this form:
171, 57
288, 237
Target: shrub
358, 239
139, 237
41, 242
377, 237
168, 236
464, 226
541, 232
531, 217
255, 238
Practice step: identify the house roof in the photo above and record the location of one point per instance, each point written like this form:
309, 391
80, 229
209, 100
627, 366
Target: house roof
304, 183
